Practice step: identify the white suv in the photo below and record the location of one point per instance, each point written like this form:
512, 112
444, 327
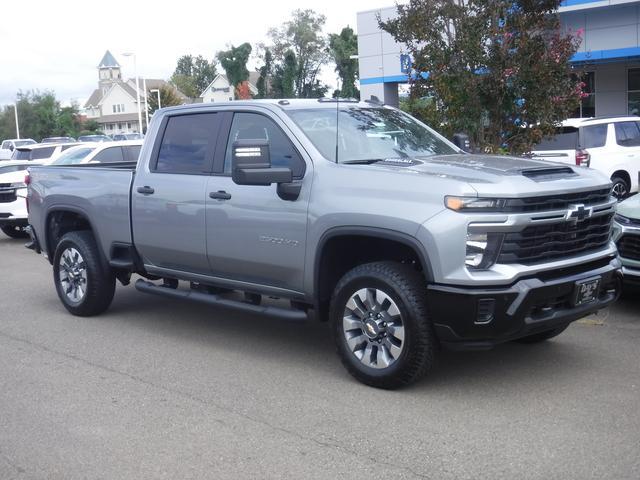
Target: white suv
610, 145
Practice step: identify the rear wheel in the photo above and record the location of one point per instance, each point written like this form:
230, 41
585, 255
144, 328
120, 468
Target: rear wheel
542, 336
14, 232
84, 285
620, 188
380, 324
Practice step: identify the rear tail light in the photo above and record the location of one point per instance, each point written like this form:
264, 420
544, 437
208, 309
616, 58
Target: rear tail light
583, 159
27, 179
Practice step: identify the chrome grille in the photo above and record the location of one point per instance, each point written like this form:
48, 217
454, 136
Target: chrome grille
629, 246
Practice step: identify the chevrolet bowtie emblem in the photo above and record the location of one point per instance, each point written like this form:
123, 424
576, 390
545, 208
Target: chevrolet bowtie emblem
578, 212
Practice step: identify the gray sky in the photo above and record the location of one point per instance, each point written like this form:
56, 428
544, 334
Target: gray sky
57, 45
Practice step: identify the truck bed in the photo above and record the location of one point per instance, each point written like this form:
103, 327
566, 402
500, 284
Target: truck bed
99, 193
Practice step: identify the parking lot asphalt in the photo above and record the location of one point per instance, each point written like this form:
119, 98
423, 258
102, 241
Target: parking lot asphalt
158, 388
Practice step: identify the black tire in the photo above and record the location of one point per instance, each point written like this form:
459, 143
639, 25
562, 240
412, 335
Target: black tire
620, 187
14, 232
407, 288
100, 280
542, 336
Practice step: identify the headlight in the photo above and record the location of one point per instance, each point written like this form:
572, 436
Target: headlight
482, 250
474, 204
622, 220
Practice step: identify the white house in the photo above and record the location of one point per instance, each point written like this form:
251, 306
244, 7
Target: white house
219, 90
113, 104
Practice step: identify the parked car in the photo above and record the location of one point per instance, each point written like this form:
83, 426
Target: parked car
104, 152
40, 151
609, 144
627, 237
94, 138
381, 226
128, 136
13, 191
58, 140
7, 147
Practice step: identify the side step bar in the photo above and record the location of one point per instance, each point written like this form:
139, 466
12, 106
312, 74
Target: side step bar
217, 300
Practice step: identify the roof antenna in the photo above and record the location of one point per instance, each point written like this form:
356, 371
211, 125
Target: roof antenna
337, 116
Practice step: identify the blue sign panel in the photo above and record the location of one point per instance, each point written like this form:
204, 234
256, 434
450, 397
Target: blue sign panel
405, 63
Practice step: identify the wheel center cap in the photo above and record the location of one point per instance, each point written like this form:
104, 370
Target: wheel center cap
371, 329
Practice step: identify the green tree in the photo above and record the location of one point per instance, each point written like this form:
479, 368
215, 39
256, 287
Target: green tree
284, 77
234, 62
496, 69
40, 116
342, 47
168, 98
303, 36
265, 80
193, 74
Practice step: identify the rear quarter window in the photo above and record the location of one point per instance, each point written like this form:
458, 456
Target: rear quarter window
565, 138
594, 136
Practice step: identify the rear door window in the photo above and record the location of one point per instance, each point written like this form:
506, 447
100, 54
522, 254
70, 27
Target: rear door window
132, 152
628, 134
109, 155
40, 153
594, 136
565, 138
188, 144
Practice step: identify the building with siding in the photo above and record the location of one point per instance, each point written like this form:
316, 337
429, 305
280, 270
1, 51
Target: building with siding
609, 53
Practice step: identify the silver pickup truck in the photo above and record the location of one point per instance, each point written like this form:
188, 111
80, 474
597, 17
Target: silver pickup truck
355, 212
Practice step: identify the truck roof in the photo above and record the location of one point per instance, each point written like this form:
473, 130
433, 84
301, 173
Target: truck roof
283, 104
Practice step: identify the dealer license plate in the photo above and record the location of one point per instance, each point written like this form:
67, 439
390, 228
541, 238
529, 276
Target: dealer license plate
586, 291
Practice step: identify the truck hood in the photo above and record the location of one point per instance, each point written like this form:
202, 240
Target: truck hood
504, 176
630, 208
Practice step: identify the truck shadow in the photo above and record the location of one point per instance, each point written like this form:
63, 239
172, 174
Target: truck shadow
309, 345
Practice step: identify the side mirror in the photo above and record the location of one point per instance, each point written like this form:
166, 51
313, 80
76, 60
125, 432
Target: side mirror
11, 147
251, 164
461, 140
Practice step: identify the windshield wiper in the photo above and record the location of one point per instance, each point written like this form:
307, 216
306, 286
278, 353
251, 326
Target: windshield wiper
367, 161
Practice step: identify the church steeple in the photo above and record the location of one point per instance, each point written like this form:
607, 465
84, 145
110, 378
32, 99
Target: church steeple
108, 72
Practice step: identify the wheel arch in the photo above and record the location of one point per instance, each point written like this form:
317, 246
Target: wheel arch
64, 219
333, 240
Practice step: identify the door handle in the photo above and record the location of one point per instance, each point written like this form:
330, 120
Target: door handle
146, 190
220, 195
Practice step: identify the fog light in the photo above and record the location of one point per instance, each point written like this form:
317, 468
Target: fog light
485, 311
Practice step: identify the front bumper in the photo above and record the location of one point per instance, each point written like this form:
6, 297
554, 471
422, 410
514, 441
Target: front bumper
14, 213
480, 318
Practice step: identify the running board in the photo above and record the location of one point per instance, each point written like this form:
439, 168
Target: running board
219, 301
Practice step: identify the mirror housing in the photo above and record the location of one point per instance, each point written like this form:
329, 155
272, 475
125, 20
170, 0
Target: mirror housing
251, 164
461, 140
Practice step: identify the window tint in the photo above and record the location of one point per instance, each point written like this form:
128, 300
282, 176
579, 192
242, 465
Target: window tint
594, 136
132, 152
628, 134
40, 153
21, 155
187, 144
253, 126
74, 156
566, 138
109, 155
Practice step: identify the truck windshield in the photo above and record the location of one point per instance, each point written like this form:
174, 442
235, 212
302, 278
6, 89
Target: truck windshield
366, 134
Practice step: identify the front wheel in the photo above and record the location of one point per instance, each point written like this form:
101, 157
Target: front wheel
620, 188
14, 232
380, 324
83, 283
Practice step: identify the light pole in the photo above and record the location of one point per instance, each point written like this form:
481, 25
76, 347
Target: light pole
157, 91
15, 106
146, 105
135, 69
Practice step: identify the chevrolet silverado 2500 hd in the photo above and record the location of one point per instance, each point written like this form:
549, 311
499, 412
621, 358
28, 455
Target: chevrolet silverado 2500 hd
356, 211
